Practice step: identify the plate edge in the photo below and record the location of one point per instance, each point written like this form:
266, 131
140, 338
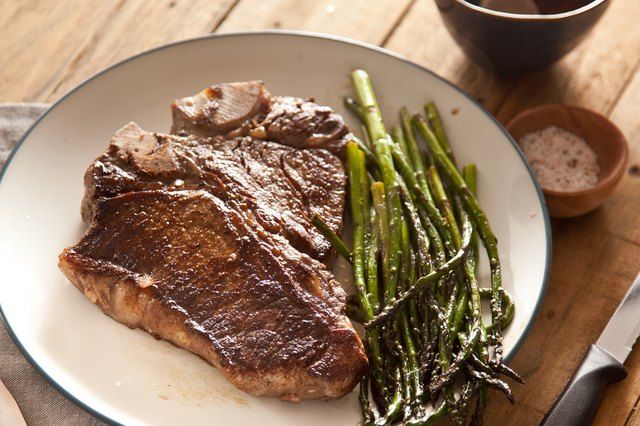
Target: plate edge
294, 33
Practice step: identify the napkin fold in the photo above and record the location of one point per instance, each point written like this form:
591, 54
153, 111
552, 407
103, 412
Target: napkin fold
39, 402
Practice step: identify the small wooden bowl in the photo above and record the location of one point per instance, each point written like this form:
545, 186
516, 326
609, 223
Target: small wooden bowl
602, 135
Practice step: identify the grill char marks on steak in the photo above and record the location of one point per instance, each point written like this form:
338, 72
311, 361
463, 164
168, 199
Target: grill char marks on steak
204, 238
248, 109
282, 186
189, 268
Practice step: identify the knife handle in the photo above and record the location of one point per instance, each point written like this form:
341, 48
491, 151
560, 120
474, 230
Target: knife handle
578, 402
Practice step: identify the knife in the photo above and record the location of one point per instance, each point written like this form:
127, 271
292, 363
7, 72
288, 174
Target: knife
601, 366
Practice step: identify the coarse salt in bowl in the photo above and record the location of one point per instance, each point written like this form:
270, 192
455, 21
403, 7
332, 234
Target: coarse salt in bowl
560, 160
577, 155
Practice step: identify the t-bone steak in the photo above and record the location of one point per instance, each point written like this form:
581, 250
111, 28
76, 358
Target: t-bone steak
204, 238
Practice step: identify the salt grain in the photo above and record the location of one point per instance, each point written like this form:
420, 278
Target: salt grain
561, 160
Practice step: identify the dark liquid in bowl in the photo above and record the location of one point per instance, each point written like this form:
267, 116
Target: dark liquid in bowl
549, 7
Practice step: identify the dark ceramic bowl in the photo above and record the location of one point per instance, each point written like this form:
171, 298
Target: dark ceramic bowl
508, 42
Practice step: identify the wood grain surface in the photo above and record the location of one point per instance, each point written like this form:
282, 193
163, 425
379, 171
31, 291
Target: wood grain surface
50, 46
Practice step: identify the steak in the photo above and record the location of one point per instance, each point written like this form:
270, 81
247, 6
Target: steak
247, 107
203, 238
281, 186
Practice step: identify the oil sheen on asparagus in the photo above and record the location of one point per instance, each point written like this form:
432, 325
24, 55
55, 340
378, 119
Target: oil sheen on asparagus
417, 231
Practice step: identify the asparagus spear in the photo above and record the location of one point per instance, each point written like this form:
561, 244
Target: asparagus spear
370, 156
331, 236
355, 161
423, 198
399, 138
438, 128
469, 173
353, 107
369, 412
391, 309
413, 151
380, 139
372, 255
358, 190
412, 379
482, 224
402, 389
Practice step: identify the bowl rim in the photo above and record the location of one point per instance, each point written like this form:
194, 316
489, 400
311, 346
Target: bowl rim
621, 162
532, 17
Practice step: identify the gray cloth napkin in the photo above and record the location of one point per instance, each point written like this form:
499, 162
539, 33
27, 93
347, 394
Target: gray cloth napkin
39, 402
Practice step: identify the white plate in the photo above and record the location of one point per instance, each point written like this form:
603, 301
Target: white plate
125, 375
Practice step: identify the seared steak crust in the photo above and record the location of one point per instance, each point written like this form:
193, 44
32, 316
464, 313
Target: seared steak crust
282, 186
204, 238
189, 268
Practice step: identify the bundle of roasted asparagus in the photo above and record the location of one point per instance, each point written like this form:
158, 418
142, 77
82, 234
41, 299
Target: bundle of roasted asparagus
416, 221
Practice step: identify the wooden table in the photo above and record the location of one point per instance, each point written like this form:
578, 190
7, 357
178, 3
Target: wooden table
47, 47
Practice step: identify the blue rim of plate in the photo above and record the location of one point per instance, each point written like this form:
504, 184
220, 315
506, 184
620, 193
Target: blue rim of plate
289, 33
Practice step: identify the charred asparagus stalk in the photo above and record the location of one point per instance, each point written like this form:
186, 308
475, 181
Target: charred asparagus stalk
415, 260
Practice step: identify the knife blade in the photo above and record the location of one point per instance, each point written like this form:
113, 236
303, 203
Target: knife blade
623, 328
601, 366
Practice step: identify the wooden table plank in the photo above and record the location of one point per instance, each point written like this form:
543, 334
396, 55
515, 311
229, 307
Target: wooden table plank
422, 38
594, 74
139, 25
626, 113
39, 40
366, 20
